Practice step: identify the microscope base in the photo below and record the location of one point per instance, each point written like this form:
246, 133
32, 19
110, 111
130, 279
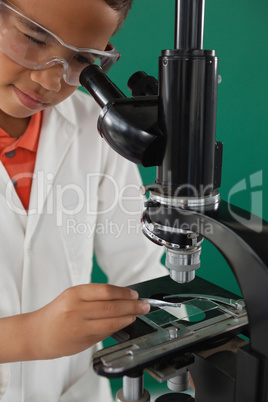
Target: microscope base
175, 398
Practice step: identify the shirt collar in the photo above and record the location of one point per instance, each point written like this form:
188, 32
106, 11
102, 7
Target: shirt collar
29, 140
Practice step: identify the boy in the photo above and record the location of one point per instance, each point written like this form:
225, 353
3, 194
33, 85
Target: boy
59, 189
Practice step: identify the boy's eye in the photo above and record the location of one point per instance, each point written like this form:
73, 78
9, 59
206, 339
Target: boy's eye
34, 40
83, 60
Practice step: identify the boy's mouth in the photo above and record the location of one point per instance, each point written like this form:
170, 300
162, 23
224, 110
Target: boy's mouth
30, 100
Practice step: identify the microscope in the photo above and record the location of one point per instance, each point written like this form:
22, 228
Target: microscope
195, 327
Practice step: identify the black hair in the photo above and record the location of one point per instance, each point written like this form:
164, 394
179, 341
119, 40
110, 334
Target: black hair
122, 7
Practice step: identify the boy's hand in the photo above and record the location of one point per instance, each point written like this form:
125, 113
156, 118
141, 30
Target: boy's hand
80, 317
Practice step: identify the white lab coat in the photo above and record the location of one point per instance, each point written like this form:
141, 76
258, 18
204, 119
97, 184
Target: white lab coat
74, 210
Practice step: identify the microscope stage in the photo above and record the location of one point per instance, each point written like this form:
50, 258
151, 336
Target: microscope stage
168, 331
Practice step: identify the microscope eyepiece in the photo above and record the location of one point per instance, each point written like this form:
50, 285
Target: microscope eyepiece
96, 82
141, 84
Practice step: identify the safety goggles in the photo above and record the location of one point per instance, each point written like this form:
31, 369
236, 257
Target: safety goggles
35, 47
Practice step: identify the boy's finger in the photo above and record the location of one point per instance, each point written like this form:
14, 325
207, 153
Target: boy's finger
108, 326
115, 308
100, 291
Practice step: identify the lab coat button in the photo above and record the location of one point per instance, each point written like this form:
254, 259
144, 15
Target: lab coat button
29, 245
10, 154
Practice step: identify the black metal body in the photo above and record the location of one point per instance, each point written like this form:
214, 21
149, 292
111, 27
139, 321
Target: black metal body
189, 24
188, 81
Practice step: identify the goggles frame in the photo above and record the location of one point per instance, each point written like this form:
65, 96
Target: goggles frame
107, 57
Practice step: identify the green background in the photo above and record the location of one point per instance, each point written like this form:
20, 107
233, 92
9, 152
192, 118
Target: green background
238, 31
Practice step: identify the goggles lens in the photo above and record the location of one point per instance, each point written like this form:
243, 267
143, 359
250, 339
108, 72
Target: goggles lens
34, 47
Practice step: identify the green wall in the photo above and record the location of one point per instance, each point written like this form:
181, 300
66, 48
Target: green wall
238, 31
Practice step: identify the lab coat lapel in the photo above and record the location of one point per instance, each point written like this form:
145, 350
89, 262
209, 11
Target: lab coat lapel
9, 197
56, 137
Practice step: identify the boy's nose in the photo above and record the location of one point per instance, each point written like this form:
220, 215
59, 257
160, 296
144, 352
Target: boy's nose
49, 78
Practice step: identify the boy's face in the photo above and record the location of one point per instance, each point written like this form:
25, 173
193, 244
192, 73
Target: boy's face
81, 23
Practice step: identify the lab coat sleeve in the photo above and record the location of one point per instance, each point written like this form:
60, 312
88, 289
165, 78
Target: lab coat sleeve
4, 378
121, 249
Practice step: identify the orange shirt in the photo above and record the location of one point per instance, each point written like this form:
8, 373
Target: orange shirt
18, 156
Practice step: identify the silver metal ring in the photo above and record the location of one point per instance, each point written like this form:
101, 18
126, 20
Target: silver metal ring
187, 202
